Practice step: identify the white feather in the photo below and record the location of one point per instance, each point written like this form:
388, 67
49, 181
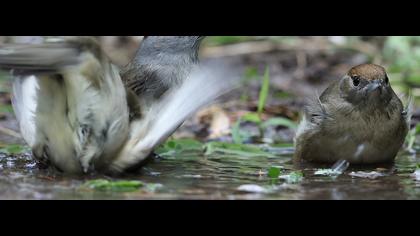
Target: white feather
24, 102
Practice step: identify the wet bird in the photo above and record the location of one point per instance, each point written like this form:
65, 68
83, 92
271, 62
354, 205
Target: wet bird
358, 118
77, 115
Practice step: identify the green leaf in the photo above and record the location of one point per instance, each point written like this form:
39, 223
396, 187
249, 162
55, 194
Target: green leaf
235, 149
251, 117
274, 172
223, 40
6, 109
264, 90
178, 146
14, 149
171, 144
236, 134
282, 145
279, 121
115, 186
250, 73
410, 139
282, 94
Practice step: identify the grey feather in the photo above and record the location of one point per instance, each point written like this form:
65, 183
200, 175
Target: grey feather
160, 63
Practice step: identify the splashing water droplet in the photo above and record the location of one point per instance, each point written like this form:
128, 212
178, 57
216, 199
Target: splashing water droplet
340, 166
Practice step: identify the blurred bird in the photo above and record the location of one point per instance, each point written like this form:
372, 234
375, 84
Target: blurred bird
76, 114
358, 118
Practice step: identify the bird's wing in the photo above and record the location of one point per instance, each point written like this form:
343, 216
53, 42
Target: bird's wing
200, 88
314, 114
315, 110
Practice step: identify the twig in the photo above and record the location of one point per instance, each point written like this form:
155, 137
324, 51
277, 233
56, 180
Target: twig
254, 47
9, 132
245, 48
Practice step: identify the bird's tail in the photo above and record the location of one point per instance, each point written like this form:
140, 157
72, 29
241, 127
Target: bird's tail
36, 59
47, 57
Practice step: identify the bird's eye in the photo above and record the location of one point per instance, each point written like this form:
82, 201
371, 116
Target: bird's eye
386, 80
356, 80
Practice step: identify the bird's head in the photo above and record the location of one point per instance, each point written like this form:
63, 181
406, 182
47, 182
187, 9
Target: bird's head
366, 85
171, 45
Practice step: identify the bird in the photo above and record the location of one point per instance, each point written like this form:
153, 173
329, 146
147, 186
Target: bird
77, 113
358, 118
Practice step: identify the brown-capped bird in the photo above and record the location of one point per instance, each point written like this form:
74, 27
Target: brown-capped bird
358, 118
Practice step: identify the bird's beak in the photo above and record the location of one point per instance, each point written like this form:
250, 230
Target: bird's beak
376, 84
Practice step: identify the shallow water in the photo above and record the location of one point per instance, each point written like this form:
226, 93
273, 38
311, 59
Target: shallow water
195, 176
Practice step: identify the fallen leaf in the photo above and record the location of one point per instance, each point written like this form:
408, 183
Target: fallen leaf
114, 186
220, 123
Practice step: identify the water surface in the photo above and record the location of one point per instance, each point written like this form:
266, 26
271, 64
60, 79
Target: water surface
195, 176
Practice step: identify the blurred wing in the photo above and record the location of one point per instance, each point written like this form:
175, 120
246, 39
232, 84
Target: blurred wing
200, 89
36, 59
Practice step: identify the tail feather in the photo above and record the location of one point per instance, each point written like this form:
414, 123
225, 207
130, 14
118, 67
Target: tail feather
35, 59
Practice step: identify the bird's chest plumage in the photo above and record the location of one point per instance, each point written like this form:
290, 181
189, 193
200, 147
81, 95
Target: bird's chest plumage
357, 136
374, 126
